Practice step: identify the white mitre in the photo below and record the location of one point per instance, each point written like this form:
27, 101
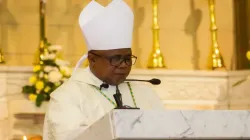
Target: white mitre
106, 28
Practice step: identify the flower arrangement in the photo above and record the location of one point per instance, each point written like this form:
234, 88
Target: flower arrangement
246, 78
49, 75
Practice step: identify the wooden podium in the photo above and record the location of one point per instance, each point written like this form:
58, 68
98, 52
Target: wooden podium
169, 124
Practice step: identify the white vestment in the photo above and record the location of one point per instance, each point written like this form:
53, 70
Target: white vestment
76, 104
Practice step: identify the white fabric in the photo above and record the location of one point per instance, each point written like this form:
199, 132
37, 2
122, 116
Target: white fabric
78, 64
106, 28
76, 104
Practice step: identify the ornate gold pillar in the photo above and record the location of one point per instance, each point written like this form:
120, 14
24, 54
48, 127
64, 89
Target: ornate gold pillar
1, 57
156, 59
215, 60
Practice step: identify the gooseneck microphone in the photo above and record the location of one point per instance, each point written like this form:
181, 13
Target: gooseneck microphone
153, 81
118, 96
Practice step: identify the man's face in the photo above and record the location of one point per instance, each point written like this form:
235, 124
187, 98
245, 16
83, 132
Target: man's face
111, 66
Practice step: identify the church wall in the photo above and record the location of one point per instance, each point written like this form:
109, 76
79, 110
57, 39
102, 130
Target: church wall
19, 30
178, 35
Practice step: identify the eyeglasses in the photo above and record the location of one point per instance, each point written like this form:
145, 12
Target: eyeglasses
117, 60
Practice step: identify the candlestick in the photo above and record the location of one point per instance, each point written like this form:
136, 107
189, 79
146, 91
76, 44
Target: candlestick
215, 60
42, 13
43, 41
1, 57
156, 59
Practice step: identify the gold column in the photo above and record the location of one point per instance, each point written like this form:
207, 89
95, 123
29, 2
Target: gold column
1, 57
215, 60
156, 59
43, 41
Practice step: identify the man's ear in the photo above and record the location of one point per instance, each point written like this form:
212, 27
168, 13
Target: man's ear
91, 58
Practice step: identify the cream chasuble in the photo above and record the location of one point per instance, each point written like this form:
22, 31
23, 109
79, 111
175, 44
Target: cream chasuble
77, 104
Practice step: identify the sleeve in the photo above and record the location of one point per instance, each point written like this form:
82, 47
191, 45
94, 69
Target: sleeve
64, 119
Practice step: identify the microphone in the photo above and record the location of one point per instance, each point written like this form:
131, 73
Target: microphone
104, 85
153, 81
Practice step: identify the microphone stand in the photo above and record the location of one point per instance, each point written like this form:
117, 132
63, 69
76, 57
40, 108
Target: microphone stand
118, 100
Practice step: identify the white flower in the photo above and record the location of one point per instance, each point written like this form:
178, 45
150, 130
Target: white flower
55, 48
48, 68
49, 57
60, 62
65, 70
54, 76
55, 69
41, 74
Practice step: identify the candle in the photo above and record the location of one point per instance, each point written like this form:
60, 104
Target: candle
24, 138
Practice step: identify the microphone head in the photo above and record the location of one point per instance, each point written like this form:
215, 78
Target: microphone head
155, 81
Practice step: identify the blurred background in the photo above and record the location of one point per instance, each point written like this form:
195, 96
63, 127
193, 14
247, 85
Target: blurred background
184, 31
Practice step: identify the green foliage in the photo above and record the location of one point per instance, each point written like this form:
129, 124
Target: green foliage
40, 98
29, 89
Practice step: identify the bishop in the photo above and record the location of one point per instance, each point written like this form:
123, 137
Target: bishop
81, 101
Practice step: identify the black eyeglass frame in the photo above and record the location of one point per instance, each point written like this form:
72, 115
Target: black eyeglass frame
122, 59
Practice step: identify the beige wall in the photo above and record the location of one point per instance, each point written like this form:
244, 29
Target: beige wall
19, 30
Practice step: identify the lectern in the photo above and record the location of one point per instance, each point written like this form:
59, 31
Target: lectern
169, 124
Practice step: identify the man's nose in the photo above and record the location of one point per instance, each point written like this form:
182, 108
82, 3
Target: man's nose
123, 64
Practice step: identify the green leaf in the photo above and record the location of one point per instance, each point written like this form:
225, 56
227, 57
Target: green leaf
50, 63
48, 44
29, 89
239, 82
47, 98
50, 84
40, 98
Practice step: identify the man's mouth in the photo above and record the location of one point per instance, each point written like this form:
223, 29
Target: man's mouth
122, 74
